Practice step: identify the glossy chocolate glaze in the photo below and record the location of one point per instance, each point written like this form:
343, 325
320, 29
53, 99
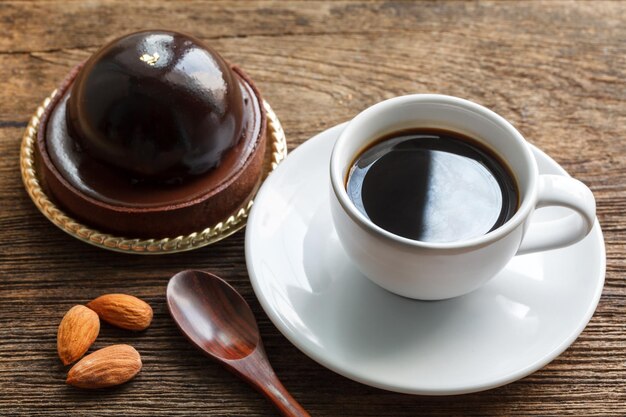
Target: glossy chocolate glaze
113, 186
159, 105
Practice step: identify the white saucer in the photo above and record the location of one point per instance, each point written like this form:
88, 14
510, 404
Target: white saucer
517, 323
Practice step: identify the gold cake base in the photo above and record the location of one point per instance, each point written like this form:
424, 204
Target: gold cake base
276, 151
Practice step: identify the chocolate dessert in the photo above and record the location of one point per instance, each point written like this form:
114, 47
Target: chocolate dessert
155, 135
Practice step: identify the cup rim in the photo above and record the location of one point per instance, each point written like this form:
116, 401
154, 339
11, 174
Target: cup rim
528, 198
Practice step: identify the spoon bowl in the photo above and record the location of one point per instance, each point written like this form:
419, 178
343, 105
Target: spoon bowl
212, 315
218, 321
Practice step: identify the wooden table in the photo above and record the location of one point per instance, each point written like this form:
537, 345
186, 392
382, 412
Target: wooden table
556, 69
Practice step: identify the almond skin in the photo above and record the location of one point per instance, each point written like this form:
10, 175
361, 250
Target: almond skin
109, 366
78, 330
123, 311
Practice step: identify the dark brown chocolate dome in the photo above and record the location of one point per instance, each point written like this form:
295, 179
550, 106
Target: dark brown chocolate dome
157, 104
163, 107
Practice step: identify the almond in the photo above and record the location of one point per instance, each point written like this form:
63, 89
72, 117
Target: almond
123, 311
78, 330
109, 366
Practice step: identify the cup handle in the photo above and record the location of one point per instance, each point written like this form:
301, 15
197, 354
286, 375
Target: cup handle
558, 190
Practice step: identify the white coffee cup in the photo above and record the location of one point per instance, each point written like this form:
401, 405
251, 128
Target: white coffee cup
433, 271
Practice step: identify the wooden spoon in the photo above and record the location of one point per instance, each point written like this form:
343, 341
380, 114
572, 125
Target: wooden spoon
219, 322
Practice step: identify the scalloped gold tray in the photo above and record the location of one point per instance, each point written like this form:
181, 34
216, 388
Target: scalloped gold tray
275, 153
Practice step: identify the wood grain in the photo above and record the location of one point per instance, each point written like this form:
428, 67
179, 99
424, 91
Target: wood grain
556, 69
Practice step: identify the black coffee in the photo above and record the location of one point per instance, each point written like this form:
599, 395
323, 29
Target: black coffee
433, 186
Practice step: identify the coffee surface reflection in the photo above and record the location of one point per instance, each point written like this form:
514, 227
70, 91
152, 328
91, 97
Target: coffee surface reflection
432, 185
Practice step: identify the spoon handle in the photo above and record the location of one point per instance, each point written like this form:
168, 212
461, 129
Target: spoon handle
274, 390
257, 370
